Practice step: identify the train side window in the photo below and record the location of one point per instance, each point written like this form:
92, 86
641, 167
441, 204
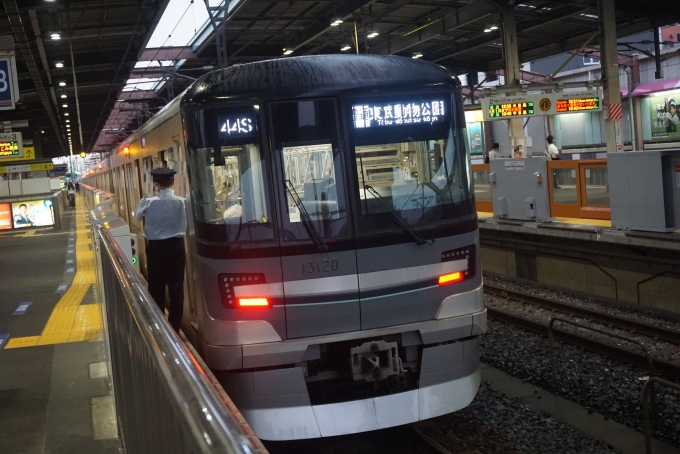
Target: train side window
306, 136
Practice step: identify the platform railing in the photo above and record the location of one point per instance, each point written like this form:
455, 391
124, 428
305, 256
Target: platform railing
164, 401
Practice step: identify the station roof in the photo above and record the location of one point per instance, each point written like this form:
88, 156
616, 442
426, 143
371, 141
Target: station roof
125, 70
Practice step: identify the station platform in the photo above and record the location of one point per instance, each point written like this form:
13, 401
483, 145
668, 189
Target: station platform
55, 391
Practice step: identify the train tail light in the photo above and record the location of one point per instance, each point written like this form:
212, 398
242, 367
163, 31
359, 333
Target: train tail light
233, 294
253, 302
451, 278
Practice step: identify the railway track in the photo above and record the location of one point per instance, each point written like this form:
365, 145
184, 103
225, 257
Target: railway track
667, 368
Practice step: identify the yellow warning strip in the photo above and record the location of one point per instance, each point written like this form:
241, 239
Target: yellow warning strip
69, 321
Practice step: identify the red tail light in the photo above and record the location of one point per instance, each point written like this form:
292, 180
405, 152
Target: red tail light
253, 302
450, 278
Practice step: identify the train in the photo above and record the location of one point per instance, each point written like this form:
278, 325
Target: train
333, 277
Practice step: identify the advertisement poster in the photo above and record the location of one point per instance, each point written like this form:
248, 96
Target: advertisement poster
32, 213
5, 216
665, 117
475, 137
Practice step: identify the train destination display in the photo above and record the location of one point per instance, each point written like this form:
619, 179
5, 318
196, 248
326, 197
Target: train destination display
514, 109
400, 113
504, 107
577, 104
11, 145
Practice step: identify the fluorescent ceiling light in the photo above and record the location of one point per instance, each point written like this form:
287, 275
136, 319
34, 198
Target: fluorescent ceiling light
62, 84
417, 55
345, 47
64, 105
494, 27
373, 34
287, 51
63, 96
487, 30
335, 22
55, 35
59, 64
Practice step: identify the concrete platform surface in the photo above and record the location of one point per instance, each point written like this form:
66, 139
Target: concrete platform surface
55, 391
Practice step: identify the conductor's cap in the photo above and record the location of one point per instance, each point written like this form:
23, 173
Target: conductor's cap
162, 174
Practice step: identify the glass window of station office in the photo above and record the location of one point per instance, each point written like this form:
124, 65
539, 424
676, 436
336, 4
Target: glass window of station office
474, 124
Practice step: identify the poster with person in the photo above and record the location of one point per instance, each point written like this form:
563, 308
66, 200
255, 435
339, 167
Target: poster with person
32, 213
665, 117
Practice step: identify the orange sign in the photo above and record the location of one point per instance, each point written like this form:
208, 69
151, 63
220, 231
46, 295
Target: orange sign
5, 216
577, 104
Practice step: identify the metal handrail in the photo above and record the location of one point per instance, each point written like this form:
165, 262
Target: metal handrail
597, 330
212, 427
646, 391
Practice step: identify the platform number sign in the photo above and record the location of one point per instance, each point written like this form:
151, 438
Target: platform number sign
9, 91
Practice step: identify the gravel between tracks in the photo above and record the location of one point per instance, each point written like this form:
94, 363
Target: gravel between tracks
595, 382
495, 424
667, 321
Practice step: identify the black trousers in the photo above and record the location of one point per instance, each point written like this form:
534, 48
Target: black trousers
165, 261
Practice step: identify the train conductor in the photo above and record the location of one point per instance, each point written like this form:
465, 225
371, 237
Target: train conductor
164, 230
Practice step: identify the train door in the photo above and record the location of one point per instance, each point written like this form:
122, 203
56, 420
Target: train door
317, 247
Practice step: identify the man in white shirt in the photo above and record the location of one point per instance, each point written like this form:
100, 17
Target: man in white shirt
164, 229
553, 152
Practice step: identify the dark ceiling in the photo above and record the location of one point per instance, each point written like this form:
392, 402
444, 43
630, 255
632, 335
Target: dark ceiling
108, 35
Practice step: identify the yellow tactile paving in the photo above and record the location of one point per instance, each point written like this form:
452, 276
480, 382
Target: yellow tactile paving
69, 321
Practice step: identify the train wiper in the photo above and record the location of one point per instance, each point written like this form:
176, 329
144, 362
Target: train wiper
397, 218
306, 219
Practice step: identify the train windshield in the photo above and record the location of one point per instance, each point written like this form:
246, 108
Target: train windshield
228, 176
411, 161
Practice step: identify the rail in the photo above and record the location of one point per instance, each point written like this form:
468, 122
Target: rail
164, 400
581, 325
646, 391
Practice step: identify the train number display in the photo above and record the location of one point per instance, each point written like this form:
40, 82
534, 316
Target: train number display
233, 126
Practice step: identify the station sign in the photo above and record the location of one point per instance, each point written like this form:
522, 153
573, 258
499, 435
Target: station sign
11, 145
504, 107
9, 86
26, 168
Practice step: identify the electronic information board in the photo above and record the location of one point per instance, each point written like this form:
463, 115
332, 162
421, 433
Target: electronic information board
11, 145
504, 107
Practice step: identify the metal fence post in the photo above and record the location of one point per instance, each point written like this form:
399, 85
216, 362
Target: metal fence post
647, 389
597, 330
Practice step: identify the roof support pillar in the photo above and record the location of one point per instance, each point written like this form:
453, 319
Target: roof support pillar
512, 74
610, 73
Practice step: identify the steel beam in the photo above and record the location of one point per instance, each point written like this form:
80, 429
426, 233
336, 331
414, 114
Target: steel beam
19, 32
459, 18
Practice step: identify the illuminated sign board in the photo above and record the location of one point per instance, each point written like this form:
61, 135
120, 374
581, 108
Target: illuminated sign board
515, 109
398, 114
5, 216
577, 104
32, 213
11, 145
499, 108
235, 126
9, 149
9, 86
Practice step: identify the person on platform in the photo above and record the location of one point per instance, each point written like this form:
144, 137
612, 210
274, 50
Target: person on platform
494, 153
77, 187
552, 152
164, 230
22, 219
